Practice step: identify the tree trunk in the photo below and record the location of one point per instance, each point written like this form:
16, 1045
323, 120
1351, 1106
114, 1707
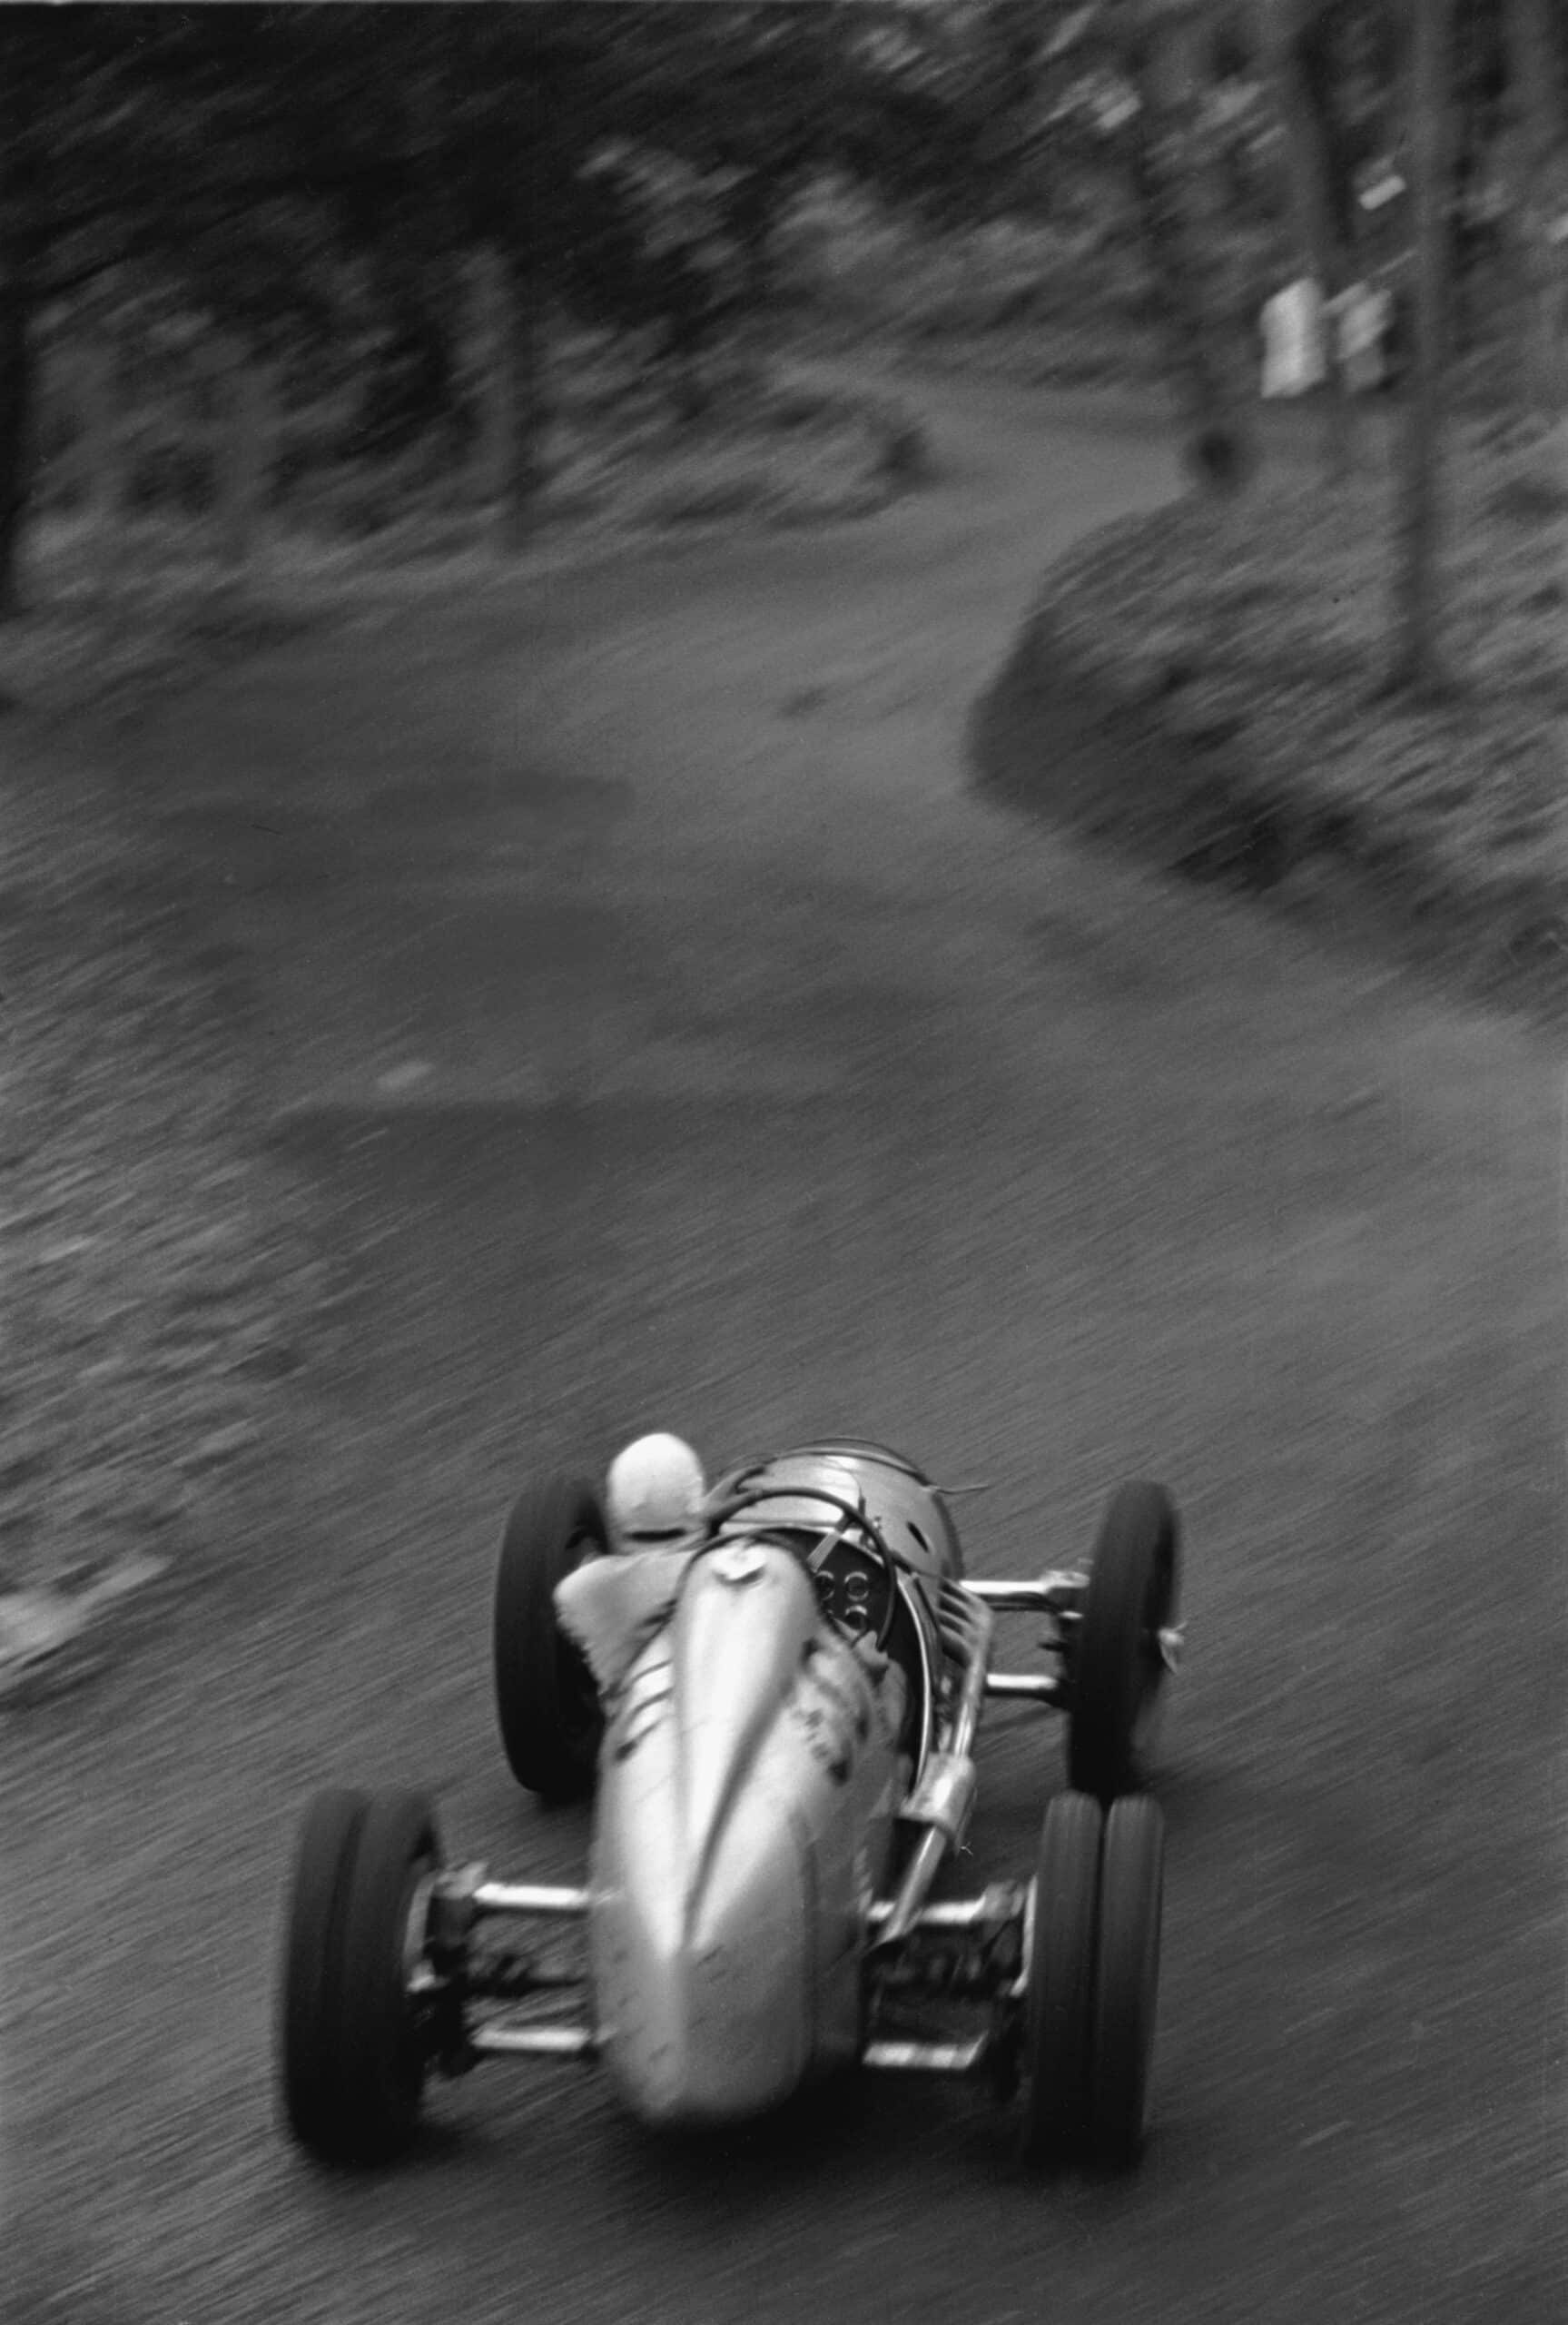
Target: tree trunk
18, 370
1418, 664
1301, 56
1540, 135
1157, 57
507, 472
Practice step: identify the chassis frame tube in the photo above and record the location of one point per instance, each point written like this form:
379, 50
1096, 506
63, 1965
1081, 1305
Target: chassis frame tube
534, 2041
973, 1624
957, 1915
529, 1897
1026, 1687
1043, 1596
901, 2057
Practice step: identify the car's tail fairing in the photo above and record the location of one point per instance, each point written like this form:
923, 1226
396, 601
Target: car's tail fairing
748, 1781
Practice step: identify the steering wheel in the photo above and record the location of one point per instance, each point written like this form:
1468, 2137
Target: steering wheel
851, 1519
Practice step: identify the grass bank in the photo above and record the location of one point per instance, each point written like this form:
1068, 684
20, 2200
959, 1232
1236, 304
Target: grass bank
158, 1285
1220, 670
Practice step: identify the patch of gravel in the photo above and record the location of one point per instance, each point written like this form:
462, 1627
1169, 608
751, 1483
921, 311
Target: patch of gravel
158, 1285
1220, 672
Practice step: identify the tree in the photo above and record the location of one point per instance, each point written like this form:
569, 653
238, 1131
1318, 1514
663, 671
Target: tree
242, 152
1162, 45
146, 137
1304, 47
32, 220
751, 96
1539, 122
1417, 663
964, 110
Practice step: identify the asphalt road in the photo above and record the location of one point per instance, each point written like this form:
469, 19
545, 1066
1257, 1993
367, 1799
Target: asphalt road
668, 1039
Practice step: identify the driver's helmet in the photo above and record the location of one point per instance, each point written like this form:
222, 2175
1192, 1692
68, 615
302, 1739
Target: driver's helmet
654, 1494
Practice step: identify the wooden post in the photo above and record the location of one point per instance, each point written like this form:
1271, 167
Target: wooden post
1160, 38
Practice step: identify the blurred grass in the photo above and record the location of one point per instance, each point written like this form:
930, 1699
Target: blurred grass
157, 1279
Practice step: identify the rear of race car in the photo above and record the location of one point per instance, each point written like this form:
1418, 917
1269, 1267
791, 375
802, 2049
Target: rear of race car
746, 1797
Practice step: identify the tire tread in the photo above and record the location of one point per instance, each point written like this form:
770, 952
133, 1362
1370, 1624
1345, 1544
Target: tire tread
1140, 1531
546, 1706
1127, 1977
1059, 2005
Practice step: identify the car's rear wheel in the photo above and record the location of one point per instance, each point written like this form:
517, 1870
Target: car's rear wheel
1127, 1979
1117, 1664
547, 1704
1058, 2012
352, 2052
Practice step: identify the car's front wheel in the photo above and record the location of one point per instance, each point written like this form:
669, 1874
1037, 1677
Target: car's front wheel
1117, 1669
353, 2052
547, 1705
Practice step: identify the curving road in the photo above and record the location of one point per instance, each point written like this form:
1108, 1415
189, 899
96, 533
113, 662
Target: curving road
667, 1037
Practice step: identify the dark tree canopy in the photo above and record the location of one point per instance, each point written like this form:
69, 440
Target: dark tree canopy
281, 170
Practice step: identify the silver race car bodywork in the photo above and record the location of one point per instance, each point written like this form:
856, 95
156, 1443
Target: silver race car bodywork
782, 1760
744, 1813
754, 1763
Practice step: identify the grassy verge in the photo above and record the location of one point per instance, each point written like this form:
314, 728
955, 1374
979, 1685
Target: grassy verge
1221, 672
157, 1288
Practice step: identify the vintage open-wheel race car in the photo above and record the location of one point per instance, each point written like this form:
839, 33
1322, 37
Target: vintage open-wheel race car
775, 1722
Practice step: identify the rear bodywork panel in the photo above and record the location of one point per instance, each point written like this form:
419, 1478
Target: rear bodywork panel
748, 1783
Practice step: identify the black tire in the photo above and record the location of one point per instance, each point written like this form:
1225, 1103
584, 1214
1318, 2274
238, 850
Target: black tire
1117, 1670
1127, 1979
310, 1986
548, 1709
1059, 2012
353, 2057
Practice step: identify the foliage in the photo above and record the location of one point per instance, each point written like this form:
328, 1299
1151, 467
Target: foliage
1240, 653
316, 181
157, 1282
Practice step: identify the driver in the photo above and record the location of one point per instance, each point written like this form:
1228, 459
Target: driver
654, 1495
654, 1508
